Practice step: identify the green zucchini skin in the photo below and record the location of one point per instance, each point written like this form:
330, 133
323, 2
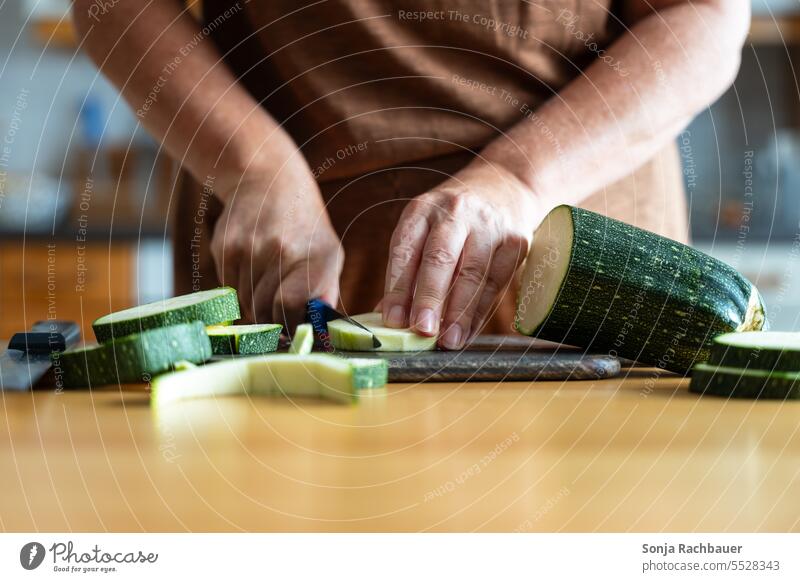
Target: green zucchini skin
641, 296
133, 358
368, 373
754, 358
224, 307
261, 341
740, 383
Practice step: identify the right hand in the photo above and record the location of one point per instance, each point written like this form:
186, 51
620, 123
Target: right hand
275, 244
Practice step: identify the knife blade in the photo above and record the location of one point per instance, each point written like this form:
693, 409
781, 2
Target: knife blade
27, 358
320, 313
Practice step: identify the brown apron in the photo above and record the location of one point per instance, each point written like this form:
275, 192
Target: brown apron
385, 102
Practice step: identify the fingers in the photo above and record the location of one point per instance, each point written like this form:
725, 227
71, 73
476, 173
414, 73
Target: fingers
304, 280
435, 274
245, 289
466, 292
264, 296
226, 259
505, 262
405, 253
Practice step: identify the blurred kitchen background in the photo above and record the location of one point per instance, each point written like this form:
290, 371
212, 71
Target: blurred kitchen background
85, 193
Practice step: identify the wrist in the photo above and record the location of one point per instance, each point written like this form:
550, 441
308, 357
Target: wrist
539, 168
249, 159
288, 173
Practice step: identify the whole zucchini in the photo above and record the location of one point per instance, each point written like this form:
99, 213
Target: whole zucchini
598, 283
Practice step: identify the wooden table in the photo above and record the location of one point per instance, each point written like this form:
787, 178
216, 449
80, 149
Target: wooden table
632, 454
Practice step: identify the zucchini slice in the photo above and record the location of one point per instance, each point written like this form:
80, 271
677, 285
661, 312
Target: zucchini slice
761, 350
349, 337
303, 340
134, 358
260, 338
594, 282
741, 383
318, 375
211, 307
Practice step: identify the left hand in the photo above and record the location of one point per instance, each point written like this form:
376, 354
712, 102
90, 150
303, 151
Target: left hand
454, 252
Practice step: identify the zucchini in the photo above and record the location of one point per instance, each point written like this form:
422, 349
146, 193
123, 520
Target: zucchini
318, 375
762, 350
349, 337
136, 357
601, 284
261, 338
741, 383
211, 307
303, 340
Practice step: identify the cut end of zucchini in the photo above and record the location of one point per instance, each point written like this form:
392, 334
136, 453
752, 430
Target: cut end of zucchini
303, 340
761, 340
762, 350
755, 318
348, 337
545, 270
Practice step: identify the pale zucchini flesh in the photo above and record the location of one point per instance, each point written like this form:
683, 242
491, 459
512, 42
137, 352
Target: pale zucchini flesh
303, 340
213, 306
348, 337
763, 350
315, 375
600, 284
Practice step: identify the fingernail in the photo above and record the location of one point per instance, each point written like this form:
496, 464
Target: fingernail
452, 337
426, 322
396, 316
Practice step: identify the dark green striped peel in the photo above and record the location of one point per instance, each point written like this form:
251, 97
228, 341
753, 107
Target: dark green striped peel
598, 283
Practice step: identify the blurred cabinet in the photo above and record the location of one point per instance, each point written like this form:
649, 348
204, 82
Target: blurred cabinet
61, 279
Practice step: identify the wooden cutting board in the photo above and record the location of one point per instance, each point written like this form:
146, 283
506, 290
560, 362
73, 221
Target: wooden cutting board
493, 358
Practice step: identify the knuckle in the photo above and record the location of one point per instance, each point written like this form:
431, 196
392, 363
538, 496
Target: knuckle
454, 205
416, 207
430, 297
233, 248
439, 257
472, 273
485, 214
402, 254
491, 287
516, 243
278, 246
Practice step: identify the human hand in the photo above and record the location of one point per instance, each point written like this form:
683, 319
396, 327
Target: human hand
455, 250
276, 245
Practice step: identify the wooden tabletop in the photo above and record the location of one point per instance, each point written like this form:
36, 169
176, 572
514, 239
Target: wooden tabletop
628, 454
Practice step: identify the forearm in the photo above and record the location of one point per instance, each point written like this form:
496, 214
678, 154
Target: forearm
184, 94
624, 108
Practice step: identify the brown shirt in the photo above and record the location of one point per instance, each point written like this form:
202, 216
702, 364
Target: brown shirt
386, 98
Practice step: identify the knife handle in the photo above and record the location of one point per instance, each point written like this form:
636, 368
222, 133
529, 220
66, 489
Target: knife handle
46, 337
317, 314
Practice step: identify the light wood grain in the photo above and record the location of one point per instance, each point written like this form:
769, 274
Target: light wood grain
613, 455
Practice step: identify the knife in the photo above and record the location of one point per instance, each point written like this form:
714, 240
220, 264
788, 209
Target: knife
28, 355
319, 313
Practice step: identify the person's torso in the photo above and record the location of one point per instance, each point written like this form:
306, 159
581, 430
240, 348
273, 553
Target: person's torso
366, 84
